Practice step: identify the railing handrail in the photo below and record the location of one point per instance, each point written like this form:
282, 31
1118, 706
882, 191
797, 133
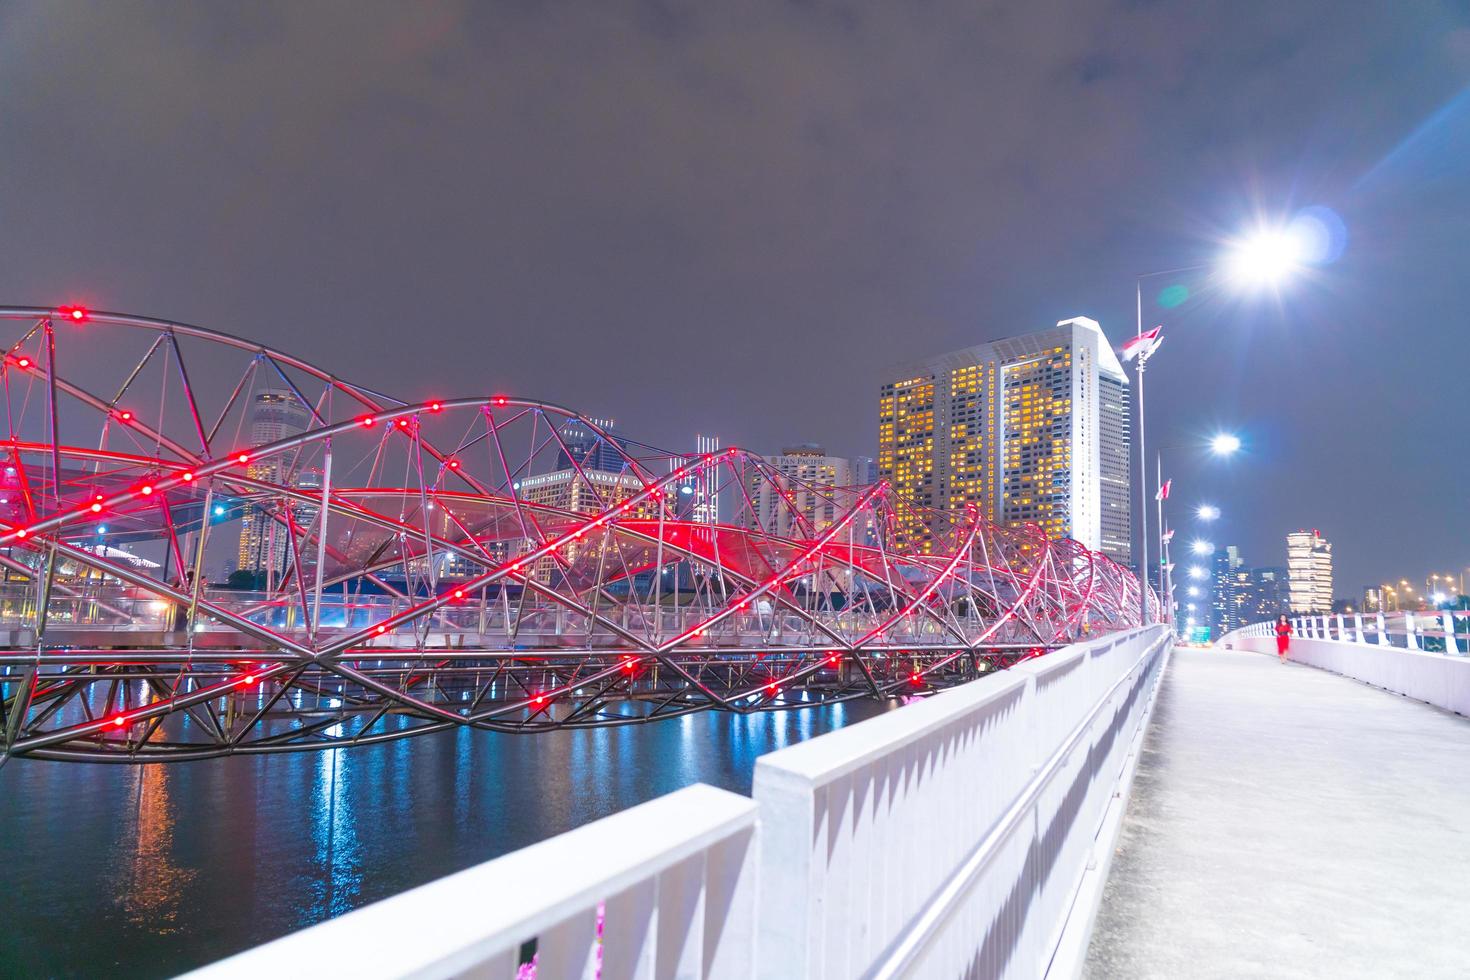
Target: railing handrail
461, 921
902, 954
1412, 625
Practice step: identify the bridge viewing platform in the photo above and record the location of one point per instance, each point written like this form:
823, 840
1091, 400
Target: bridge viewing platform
1292, 823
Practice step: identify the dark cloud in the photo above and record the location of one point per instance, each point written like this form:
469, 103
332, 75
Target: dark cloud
730, 217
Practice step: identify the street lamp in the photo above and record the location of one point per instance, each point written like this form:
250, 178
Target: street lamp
1197, 573
1201, 547
1225, 444
1207, 512
1264, 257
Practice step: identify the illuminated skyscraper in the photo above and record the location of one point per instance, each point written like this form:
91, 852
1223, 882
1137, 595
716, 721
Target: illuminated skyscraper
589, 450
699, 492
1309, 571
806, 469
1032, 429
275, 414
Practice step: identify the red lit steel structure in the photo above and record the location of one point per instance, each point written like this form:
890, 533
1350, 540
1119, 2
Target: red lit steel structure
444, 564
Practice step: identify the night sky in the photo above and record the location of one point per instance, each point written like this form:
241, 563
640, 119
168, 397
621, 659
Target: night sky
733, 220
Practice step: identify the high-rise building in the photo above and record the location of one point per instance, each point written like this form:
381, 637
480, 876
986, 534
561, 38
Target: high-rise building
1222, 592
1032, 429
805, 475
275, 414
864, 471
1309, 570
698, 495
588, 449
1264, 595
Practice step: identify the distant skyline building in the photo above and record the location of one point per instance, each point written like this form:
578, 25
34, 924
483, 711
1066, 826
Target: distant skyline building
1223, 591
1309, 570
1268, 596
699, 494
1032, 429
275, 414
588, 449
806, 472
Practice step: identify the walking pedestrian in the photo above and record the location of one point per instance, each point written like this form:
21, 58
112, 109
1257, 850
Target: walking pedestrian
1283, 637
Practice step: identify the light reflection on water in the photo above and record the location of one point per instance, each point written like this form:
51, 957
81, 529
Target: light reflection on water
149, 871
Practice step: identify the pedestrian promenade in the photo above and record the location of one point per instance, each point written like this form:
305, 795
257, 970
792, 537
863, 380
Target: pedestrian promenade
1287, 822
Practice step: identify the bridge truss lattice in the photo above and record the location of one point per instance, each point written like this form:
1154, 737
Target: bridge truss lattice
433, 565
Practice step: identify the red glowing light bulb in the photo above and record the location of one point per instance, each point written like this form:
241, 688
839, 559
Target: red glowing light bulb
24, 362
381, 629
77, 313
243, 458
459, 593
247, 680
125, 416
435, 406
22, 532
96, 508
538, 699
403, 423
454, 464
146, 489
366, 421
498, 400
187, 476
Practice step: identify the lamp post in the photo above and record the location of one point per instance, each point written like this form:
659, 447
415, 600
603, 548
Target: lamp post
1264, 257
1222, 444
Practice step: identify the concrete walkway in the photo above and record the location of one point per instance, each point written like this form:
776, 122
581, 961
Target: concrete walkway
1287, 822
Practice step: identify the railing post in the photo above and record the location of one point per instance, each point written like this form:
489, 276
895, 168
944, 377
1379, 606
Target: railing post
1411, 639
1358, 628
1448, 620
1341, 628
1383, 640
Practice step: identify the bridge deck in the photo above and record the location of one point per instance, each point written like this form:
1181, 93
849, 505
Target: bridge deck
1287, 822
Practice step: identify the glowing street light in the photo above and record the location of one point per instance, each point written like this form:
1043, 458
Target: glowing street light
1194, 592
1197, 573
1266, 256
1225, 444
1207, 512
1202, 547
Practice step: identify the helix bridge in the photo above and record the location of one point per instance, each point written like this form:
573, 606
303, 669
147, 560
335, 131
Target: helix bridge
434, 565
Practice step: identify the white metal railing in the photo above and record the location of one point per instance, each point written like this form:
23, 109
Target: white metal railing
1419, 655
663, 889
1438, 631
949, 837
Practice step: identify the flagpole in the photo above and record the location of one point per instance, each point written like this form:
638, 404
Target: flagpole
1166, 580
1142, 469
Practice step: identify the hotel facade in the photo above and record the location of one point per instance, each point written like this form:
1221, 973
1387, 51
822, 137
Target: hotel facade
1031, 429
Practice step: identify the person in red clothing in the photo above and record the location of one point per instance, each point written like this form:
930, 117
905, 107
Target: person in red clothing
1283, 637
